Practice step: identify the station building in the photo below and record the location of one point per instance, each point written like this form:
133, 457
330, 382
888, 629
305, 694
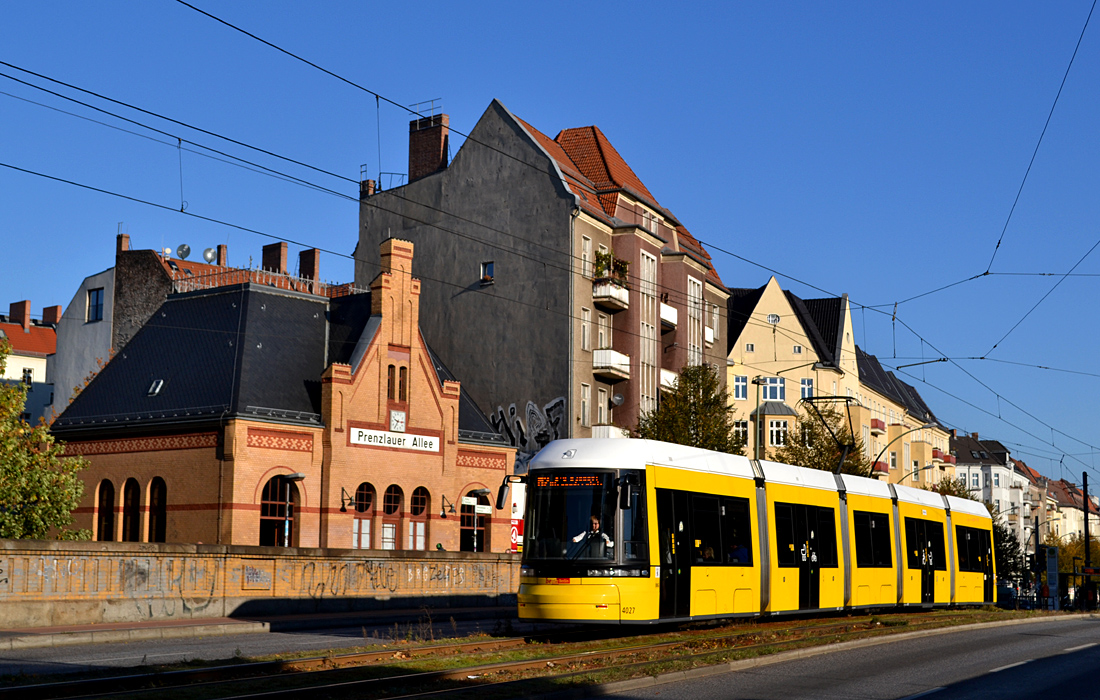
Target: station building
255, 413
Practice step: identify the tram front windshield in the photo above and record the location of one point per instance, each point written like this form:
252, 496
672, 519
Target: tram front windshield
571, 516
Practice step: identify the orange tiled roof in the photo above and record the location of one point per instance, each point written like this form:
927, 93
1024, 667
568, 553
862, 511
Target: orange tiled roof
599, 161
41, 340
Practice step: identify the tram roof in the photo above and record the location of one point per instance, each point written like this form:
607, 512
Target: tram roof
633, 453
965, 505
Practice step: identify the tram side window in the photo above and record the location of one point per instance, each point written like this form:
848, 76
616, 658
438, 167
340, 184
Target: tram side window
826, 541
784, 535
934, 532
706, 530
967, 543
736, 531
636, 526
873, 541
924, 542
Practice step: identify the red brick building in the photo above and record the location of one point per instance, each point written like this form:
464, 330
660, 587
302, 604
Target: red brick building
262, 414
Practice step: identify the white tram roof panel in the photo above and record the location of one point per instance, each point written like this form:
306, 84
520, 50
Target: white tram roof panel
779, 473
862, 486
633, 453
908, 494
965, 505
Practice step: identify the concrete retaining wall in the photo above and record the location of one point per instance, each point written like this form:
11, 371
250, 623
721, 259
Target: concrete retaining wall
72, 583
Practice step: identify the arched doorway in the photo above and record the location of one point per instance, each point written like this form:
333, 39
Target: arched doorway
419, 507
364, 512
476, 515
392, 503
158, 510
279, 512
131, 511
105, 512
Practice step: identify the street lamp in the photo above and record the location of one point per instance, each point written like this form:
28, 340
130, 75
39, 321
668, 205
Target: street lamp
899, 436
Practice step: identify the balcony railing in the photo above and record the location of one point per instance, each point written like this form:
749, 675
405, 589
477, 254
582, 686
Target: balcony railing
881, 467
669, 317
937, 455
878, 426
950, 459
610, 365
668, 379
609, 431
610, 295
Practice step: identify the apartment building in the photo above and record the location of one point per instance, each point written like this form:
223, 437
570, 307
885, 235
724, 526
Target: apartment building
783, 349
32, 342
987, 469
554, 282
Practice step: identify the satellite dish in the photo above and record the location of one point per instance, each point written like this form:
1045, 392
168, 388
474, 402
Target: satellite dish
167, 252
183, 251
617, 400
209, 255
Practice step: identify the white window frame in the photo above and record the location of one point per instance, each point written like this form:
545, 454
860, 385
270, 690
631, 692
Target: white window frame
741, 387
797, 350
750, 347
741, 430
777, 432
586, 403
648, 384
586, 329
389, 536
807, 388
586, 257
603, 331
775, 389
416, 535
601, 407
360, 533
695, 321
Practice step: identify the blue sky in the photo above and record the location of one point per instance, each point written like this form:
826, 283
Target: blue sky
873, 149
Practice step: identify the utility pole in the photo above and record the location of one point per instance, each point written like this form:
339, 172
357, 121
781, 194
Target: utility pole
1088, 558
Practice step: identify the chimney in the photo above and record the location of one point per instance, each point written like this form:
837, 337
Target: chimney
274, 259
367, 188
428, 145
122, 243
20, 312
309, 264
223, 255
974, 435
51, 314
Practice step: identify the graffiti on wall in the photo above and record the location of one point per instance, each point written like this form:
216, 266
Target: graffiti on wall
532, 430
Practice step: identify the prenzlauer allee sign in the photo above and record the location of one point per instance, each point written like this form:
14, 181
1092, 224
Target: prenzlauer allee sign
403, 441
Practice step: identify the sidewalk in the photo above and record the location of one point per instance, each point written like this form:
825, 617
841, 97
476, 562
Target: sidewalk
36, 637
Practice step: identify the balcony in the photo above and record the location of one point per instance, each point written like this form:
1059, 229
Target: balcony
610, 365
937, 455
878, 426
880, 468
609, 431
610, 295
950, 459
668, 380
669, 317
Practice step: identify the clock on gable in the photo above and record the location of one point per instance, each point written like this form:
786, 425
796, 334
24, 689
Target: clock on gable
397, 421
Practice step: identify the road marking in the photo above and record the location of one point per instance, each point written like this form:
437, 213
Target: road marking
1004, 668
921, 695
1083, 646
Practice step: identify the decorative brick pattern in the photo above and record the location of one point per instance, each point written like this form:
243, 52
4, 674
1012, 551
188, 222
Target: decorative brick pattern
481, 460
149, 444
280, 440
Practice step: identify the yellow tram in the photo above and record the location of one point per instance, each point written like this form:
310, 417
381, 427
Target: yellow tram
638, 531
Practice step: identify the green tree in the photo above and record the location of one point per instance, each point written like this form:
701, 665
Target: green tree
811, 445
696, 412
952, 487
1071, 546
39, 488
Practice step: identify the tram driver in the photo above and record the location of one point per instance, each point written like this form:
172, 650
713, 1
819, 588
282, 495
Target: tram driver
595, 538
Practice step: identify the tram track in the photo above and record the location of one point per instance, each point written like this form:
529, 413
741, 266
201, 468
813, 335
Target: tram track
342, 675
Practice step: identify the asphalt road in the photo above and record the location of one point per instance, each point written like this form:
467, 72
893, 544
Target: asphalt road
78, 658
1056, 660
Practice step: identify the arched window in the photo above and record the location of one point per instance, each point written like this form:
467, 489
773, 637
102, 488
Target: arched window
131, 511
391, 516
390, 382
364, 511
279, 513
419, 508
403, 385
474, 530
158, 510
105, 512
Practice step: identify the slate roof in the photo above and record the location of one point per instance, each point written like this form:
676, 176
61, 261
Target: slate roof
970, 450
872, 374
825, 346
739, 308
774, 408
238, 351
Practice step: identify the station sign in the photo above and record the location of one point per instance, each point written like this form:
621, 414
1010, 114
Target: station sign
401, 441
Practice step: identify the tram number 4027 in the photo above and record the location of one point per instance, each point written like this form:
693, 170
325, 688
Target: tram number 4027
629, 610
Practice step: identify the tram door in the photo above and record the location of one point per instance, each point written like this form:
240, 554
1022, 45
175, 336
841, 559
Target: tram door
673, 525
987, 564
807, 529
919, 535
